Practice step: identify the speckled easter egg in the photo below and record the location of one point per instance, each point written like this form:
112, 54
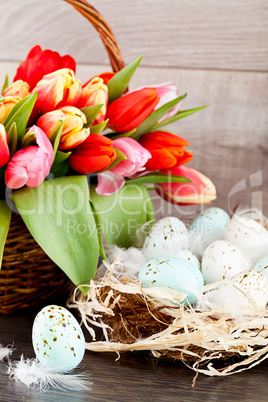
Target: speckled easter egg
243, 294
262, 266
175, 273
210, 224
58, 340
189, 256
249, 236
222, 260
166, 235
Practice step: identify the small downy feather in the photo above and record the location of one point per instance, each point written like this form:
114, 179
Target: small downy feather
5, 352
128, 262
33, 374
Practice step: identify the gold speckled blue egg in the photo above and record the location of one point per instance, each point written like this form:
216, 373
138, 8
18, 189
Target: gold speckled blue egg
58, 340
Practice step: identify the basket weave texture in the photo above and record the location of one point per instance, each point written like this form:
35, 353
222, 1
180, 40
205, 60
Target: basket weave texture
28, 277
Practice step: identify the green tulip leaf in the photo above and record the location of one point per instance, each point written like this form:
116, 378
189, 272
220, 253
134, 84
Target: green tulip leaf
159, 178
5, 217
20, 115
91, 112
13, 139
59, 217
98, 128
180, 115
153, 118
5, 85
98, 225
14, 110
60, 164
119, 83
55, 137
121, 214
120, 156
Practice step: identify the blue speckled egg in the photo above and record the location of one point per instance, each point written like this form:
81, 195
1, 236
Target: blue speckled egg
211, 223
262, 266
58, 340
175, 273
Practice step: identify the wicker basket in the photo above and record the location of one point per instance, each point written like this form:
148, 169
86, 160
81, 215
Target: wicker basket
28, 277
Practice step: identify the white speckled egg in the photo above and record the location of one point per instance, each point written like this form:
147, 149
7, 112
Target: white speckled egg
211, 224
249, 236
175, 273
189, 256
166, 235
58, 340
246, 291
222, 260
262, 266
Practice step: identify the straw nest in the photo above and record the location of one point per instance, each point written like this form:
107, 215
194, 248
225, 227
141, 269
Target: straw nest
208, 340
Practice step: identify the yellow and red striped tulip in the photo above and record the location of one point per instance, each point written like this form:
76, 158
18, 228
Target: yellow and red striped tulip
57, 89
73, 132
18, 88
6, 105
95, 92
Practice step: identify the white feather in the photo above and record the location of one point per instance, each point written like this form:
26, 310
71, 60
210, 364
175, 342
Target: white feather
128, 262
5, 352
33, 374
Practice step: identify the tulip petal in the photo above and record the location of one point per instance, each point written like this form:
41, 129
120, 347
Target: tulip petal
39, 63
109, 183
15, 176
200, 190
4, 150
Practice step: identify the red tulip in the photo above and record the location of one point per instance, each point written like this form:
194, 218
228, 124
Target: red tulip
18, 88
166, 92
30, 165
57, 89
95, 92
41, 62
73, 132
4, 150
129, 111
166, 150
200, 190
95, 154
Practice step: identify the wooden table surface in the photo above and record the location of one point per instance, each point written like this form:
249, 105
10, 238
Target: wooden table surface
135, 377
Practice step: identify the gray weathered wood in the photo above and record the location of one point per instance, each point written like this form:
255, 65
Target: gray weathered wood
135, 377
178, 33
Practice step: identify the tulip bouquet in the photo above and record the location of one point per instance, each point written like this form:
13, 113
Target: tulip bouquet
75, 159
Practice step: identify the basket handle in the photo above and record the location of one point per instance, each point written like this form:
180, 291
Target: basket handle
103, 29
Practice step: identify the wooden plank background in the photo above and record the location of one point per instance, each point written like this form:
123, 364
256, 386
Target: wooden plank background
215, 51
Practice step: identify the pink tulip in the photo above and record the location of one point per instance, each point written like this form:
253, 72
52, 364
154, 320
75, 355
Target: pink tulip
111, 181
57, 89
200, 190
4, 150
93, 93
30, 165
